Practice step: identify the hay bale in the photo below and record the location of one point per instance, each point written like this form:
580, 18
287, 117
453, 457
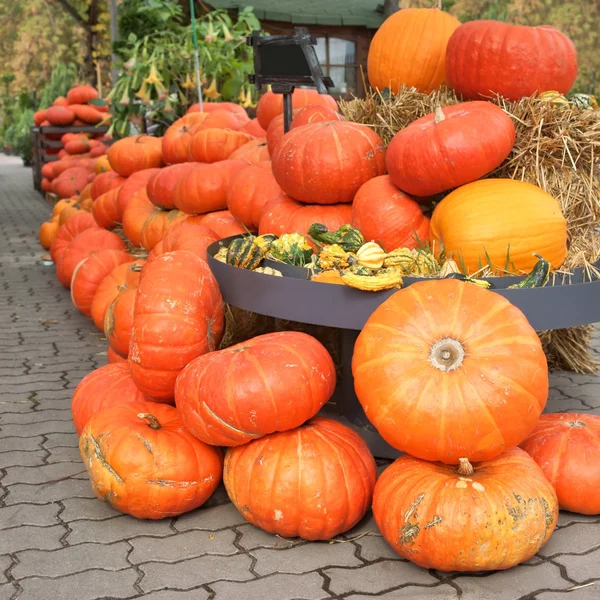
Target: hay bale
241, 325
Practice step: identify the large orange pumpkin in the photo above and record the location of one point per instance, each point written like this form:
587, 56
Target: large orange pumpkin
492, 220
133, 154
138, 181
447, 370
253, 128
178, 316
482, 517
275, 131
254, 151
118, 321
137, 212
270, 105
315, 114
223, 224
114, 358
213, 145
157, 225
381, 212
82, 94
105, 182
71, 182
190, 234
177, 138
313, 482
275, 382
143, 462
409, 49
108, 386
327, 162
567, 448
162, 185
60, 116
69, 231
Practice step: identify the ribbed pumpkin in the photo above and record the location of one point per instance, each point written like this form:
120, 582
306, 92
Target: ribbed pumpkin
254, 151
409, 50
249, 191
105, 387
114, 358
157, 225
138, 181
136, 214
102, 165
143, 462
133, 154
326, 163
253, 128
69, 231
118, 321
60, 116
105, 182
70, 182
232, 107
567, 448
47, 232
213, 145
178, 316
90, 272
106, 209
162, 185
381, 212
270, 105
223, 224
82, 94
275, 131
313, 482
120, 278
177, 138
493, 220
190, 234
275, 382
447, 370
315, 114
482, 517
485, 58
447, 149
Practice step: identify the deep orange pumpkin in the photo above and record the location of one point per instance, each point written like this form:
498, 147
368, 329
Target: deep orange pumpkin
161, 186
482, 517
138, 181
106, 209
107, 386
177, 138
157, 225
315, 114
253, 128
132, 154
447, 370
270, 105
275, 131
60, 116
381, 212
223, 224
143, 462
118, 321
567, 448
275, 382
136, 214
104, 182
209, 107
114, 358
254, 151
188, 235
178, 316
82, 94
326, 163
71, 182
313, 482
69, 231
213, 145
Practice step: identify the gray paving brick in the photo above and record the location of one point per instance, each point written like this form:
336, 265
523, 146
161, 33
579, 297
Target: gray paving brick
190, 544
37, 428
41, 494
114, 530
373, 547
7, 591
566, 518
28, 514
578, 566
23, 538
34, 386
10, 444
16, 406
56, 440
308, 586
197, 594
366, 526
87, 508
91, 585
377, 577
194, 572
210, 519
66, 561
578, 538
43, 474
22, 459
586, 593
35, 417
64, 454
253, 537
5, 562
439, 592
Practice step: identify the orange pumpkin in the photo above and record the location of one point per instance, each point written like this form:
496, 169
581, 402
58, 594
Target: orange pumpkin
133, 154
162, 185
48, 232
102, 165
105, 182
190, 234
482, 517
114, 358
157, 225
138, 181
136, 214
177, 138
60, 115
447, 370
143, 462
213, 145
254, 151
275, 131
106, 209
82, 94
331, 276
69, 231
222, 223
253, 128
270, 105
118, 321
315, 114
313, 482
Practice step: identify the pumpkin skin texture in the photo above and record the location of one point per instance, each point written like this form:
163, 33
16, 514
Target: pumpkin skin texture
313, 482
249, 191
491, 519
114, 358
214, 145
485, 58
567, 448
450, 148
47, 232
254, 151
161, 186
60, 116
157, 225
136, 153
439, 355
178, 316
138, 181
82, 94
136, 214
497, 217
188, 235
270, 105
118, 321
383, 213
143, 462
106, 209
315, 114
108, 386
223, 224
409, 49
327, 162
273, 382
275, 131
69, 231
253, 128
177, 138
105, 182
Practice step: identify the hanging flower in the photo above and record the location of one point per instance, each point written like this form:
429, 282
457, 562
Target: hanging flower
143, 93
188, 84
210, 36
211, 92
130, 63
125, 98
228, 36
154, 79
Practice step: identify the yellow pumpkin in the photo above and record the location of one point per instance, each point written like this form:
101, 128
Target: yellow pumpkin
58, 207
48, 231
102, 165
499, 221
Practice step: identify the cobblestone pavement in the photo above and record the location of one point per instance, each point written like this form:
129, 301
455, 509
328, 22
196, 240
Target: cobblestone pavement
56, 540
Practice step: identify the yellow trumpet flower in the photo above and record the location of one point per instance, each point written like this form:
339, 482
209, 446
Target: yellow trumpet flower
125, 98
143, 93
154, 79
227, 33
188, 84
210, 36
211, 92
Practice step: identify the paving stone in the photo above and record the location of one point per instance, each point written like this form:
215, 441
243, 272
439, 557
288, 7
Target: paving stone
43, 474
308, 586
7, 591
502, 585
23, 538
91, 585
373, 547
28, 514
366, 526
41, 494
567, 518
195, 572
5, 562
16, 406
197, 594
66, 561
64, 454
35, 417
22, 459
87, 508
377, 577
10, 444
56, 440
578, 538
190, 544
587, 593
210, 519
440, 592
113, 530
253, 537
37, 428
579, 566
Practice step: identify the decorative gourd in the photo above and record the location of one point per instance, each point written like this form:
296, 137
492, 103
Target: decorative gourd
537, 278
213, 145
482, 283
490, 221
567, 448
255, 151
349, 238
363, 278
108, 386
326, 163
485, 58
143, 462
409, 50
177, 138
223, 224
244, 254
118, 321
276, 382
179, 315
313, 482
291, 248
371, 255
271, 105
69, 231
131, 154
388, 216
331, 276
483, 517
458, 149
402, 258
447, 370
190, 234
333, 257
269, 271
162, 185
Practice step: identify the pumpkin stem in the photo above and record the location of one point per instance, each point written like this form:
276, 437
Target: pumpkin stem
136, 268
152, 420
447, 355
465, 468
439, 115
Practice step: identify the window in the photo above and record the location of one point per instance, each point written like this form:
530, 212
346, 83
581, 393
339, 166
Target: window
338, 60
